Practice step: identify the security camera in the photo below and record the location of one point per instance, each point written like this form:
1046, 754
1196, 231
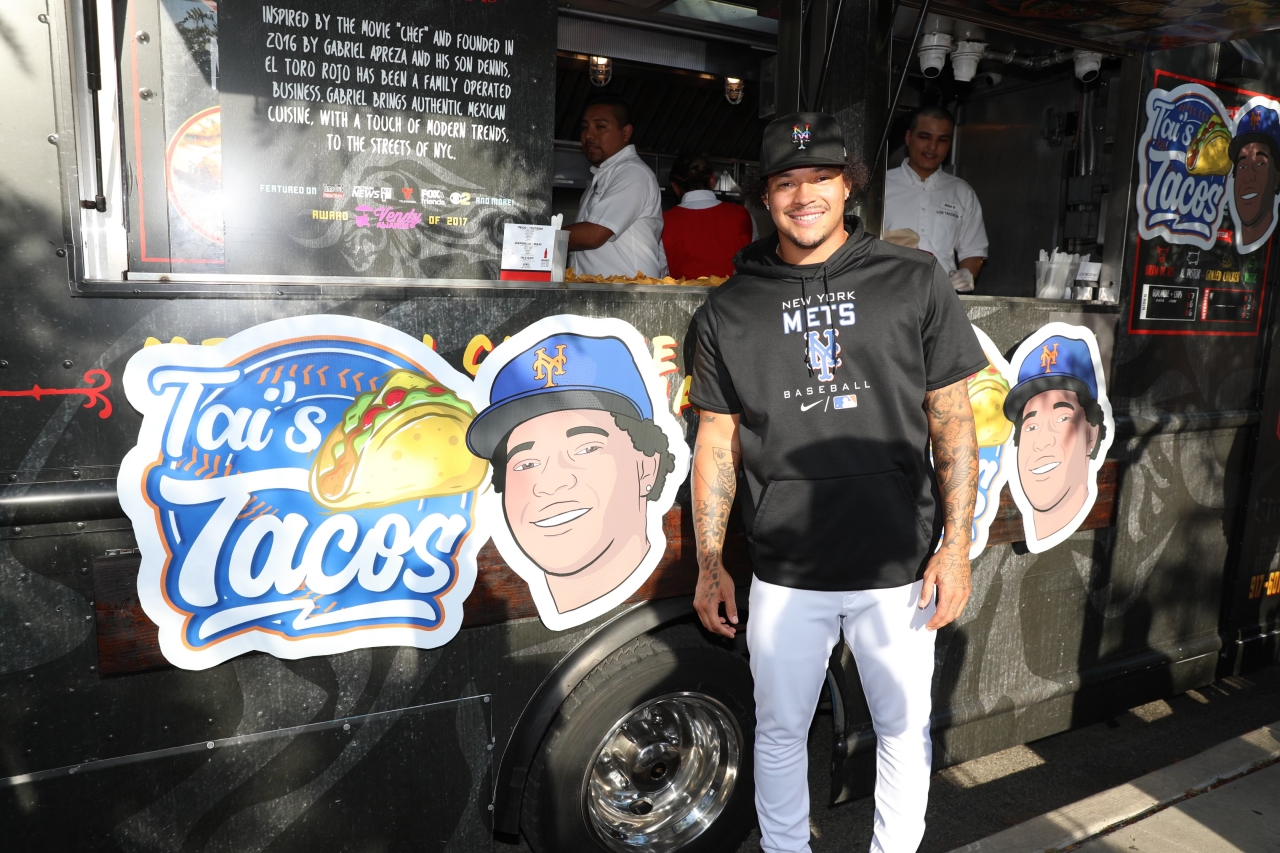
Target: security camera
964, 59
935, 44
1087, 63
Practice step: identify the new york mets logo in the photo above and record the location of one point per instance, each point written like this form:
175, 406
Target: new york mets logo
1048, 357
823, 356
546, 367
798, 135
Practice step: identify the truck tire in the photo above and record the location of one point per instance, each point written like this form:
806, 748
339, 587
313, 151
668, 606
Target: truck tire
651, 752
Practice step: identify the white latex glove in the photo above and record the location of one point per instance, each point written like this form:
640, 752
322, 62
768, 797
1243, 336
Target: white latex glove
962, 281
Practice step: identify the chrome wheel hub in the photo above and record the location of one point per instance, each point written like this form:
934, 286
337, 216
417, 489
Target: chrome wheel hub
663, 774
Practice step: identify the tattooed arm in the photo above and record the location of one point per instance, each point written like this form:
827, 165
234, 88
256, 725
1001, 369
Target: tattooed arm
955, 460
716, 458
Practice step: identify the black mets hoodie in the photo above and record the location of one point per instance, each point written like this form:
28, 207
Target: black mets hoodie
827, 365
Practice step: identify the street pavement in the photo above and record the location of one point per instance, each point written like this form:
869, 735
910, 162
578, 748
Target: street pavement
979, 798
1240, 817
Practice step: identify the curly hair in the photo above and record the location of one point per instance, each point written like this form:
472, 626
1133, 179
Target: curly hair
755, 188
646, 437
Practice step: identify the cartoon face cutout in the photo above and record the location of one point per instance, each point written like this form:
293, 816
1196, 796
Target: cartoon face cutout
1256, 182
586, 459
1055, 440
574, 497
1062, 428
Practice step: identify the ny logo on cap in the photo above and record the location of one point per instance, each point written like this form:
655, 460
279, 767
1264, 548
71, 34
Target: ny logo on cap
1048, 358
800, 136
546, 367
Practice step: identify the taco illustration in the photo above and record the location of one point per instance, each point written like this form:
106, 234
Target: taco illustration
405, 441
987, 392
1208, 153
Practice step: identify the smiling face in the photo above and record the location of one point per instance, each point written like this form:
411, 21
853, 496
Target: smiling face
1256, 179
576, 493
929, 144
601, 135
1055, 439
807, 206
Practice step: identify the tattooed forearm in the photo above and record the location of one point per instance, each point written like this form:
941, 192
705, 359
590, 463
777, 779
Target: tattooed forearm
955, 458
715, 482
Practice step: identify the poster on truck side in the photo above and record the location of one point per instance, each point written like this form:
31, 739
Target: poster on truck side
1208, 201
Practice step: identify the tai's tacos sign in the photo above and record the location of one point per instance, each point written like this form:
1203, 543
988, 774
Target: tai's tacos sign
302, 488
324, 483
1198, 159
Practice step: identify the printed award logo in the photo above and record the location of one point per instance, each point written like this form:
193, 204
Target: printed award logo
302, 488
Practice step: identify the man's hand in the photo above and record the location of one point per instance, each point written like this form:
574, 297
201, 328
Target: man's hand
715, 482
949, 571
715, 586
962, 281
955, 461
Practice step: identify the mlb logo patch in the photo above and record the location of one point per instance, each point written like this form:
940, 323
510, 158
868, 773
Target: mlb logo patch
847, 401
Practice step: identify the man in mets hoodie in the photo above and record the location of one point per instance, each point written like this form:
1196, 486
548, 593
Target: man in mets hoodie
824, 372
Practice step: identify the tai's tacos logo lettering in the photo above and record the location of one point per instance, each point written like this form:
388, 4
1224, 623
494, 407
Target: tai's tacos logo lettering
1184, 166
302, 488
1198, 160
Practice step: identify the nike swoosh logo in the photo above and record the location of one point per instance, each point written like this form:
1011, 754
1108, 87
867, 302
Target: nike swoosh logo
805, 408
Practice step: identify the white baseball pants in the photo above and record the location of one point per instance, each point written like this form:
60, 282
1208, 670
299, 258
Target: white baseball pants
790, 633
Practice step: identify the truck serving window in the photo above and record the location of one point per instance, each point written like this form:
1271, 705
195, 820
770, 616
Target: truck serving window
322, 140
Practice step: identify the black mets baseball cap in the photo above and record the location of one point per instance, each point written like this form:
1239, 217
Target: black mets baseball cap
801, 140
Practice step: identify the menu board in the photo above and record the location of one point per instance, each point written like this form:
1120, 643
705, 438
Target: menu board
392, 138
1208, 202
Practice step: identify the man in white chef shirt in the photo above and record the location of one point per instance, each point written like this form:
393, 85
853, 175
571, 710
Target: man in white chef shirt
619, 227
942, 209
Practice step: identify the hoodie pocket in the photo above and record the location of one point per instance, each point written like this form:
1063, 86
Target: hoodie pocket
870, 520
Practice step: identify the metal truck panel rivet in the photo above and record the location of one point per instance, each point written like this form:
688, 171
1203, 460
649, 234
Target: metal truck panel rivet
486, 699
26, 624
490, 806
75, 474
142, 36
346, 727
79, 525
17, 530
87, 618
62, 253
488, 746
53, 138
209, 745
146, 94
42, 18
67, 364
3, 364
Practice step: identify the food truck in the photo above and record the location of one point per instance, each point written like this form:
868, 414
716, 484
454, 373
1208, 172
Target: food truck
269, 579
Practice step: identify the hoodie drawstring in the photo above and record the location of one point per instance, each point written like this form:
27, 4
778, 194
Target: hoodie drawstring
804, 339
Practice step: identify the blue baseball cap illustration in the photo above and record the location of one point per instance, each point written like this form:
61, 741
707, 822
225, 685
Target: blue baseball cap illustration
1260, 124
1060, 362
559, 373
